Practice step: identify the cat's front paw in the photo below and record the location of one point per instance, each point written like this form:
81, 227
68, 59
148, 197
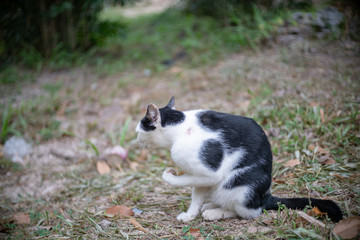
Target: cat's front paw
169, 175
185, 217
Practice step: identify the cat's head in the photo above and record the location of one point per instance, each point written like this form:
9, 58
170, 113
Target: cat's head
152, 128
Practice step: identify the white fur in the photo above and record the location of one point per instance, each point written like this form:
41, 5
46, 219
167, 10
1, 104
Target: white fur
185, 140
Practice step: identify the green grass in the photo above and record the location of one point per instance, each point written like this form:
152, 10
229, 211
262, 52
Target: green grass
160, 37
34, 118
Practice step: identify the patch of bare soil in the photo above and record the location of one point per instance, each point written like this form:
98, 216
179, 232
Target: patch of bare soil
60, 174
147, 7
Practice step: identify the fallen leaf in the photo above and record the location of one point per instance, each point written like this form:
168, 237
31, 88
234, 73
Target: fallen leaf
322, 151
114, 162
329, 161
318, 149
195, 232
312, 147
278, 181
309, 219
21, 218
336, 175
119, 209
322, 115
347, 228
292, 163
143, 155
102, 167
133, 165
317, 212
138, 225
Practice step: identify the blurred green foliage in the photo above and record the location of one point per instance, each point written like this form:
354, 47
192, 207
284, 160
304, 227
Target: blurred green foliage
223, 9
31, 29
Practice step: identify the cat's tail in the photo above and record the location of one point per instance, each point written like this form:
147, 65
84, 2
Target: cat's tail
325, 206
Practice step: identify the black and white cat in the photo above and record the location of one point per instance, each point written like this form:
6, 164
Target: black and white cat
227, 161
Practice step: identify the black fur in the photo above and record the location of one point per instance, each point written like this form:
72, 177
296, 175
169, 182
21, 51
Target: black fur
326, 206
147, 125
170, 116
211, 154
241, 132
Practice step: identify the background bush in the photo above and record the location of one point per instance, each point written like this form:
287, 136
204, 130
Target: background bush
45, 25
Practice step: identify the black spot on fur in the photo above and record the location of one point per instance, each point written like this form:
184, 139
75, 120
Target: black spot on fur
244, 133
211, 154
147, 125
170, 116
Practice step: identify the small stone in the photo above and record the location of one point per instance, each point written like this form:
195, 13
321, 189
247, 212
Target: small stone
16, 148
137, 211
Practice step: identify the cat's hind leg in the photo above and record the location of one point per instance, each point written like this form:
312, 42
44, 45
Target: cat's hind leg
209, 205
217, 213
247, 213
197, 200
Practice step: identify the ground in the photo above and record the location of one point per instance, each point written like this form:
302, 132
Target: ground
306, 101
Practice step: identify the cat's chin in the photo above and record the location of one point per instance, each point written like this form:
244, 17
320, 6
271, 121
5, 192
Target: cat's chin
145, 146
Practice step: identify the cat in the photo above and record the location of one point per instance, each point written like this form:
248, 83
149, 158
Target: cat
227, 159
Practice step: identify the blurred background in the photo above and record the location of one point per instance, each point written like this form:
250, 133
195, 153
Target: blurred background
76, 77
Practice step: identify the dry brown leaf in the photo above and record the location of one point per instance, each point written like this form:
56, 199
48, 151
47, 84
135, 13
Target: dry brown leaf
329, 161
312, 147
347, 228
143, 155
292, 163
195, 232
102, 167
278, 181
21, 218
318, 149
133, 165
322, 115
310, 219
138, 225
119, 209
317, 212
336, 175
322, 151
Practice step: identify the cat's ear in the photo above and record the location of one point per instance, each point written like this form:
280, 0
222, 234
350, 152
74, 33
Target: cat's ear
153, 114
171, 103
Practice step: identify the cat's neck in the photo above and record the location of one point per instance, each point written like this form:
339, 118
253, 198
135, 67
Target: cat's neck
186, 128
